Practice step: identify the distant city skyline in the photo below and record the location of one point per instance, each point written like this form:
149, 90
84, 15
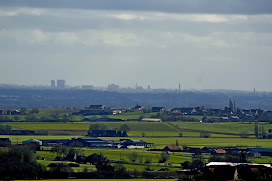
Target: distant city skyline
115, 87
203, 44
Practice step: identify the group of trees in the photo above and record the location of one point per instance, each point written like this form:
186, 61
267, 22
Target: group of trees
19, 163
134, 156
63, 152
5, 129
120, 132
260, 132
24, 111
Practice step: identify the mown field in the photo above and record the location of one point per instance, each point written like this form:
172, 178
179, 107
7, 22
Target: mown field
138, 129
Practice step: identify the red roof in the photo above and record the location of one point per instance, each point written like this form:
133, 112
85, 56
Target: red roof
173, 147
220, 151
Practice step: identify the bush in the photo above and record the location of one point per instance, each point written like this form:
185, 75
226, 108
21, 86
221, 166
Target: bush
73, 165
163, 157
163, 169
148, 160
61, 170
205, 135
133, 156
52, 165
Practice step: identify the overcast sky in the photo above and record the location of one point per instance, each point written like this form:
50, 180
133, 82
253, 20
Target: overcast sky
203, 44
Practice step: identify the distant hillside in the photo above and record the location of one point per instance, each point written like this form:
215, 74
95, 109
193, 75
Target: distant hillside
29, 98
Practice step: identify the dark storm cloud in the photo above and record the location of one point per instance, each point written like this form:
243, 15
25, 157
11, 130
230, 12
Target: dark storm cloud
176, 6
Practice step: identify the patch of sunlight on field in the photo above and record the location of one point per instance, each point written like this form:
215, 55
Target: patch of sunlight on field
223, 127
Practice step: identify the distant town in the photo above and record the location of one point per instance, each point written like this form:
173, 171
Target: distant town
59, 95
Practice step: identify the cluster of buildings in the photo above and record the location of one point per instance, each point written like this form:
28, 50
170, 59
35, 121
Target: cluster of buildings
60, 84
249, 152
90, 142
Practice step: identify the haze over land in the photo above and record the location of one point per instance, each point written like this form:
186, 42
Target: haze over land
202, 44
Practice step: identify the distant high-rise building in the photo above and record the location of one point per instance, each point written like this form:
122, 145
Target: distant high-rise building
179, 87
113, 87
53, 83
148, 87
61, 83
87, 86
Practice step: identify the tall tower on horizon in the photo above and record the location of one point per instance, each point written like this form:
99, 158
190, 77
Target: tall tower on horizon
179, 86
61, 84
53, 83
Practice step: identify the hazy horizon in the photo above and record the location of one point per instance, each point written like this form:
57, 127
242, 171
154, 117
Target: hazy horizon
201, 44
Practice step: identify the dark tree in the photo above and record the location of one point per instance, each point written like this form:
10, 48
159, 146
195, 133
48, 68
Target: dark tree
19, 163
163, 157
23, 110
34, 110
197, 160
124, 134
133, 156
256, 130
124, 127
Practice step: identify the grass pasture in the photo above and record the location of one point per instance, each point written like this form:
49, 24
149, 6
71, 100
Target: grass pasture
223, 127
162, 129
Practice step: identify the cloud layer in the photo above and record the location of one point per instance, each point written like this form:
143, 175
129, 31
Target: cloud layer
169, 6
103, 43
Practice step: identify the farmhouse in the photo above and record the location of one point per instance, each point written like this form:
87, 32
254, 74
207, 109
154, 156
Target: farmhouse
32, 144
89, 142
55, 142
172, 149
5, 141
218, 152
261, 151
127, 143
96, 107
151, 120
157, 109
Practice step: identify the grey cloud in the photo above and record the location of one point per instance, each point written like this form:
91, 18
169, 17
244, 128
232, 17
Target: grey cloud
177, 6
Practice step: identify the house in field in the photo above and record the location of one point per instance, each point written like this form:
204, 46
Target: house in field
261, 151
96, 107
172, 149
157, 109
128, 143
151, 120
16, 112
138, 108
218, 152
89, 142
55, 142
183, 110
5, 141
32, 144
32, 140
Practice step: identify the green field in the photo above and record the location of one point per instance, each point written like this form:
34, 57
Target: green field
67, 113
105, 180
137, 129
161, 134
223, 127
